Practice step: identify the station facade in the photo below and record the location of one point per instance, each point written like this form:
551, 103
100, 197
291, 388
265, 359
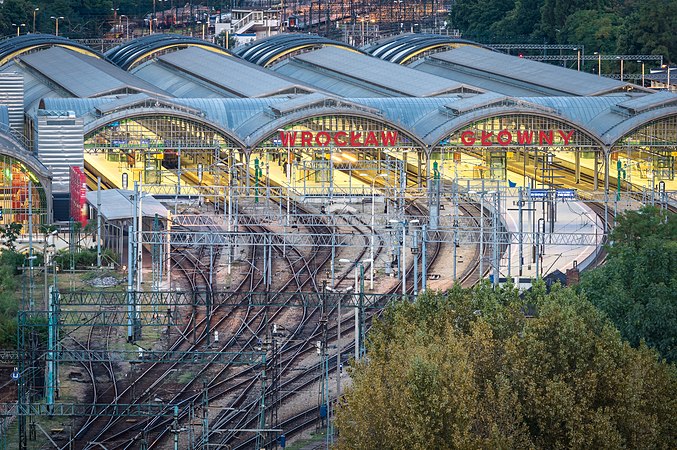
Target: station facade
312, 115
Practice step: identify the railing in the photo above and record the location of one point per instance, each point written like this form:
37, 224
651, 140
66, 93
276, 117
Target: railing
243, 23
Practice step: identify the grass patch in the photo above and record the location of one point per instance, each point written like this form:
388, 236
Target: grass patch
313, 439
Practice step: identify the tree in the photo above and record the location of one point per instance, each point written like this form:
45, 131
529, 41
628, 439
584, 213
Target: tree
610, 26
636, 287
595, 29
649, 29
15, 12
521, 23
476, 17
468, 369
10, 233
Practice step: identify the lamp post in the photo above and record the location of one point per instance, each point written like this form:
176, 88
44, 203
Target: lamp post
359, 312
126, 25
18, 27
373, 232
642, 63
34, 12
599, 63
56, 27
338, 335
621, 59
481, 249
403, 263
539, 253
578, 59
115, 20
230, 211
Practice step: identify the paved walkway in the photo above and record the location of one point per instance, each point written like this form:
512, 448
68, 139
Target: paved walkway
576, 225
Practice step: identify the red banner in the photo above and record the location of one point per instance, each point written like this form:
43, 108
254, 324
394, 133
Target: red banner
78, 189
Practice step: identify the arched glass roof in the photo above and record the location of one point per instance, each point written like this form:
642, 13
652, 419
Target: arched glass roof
265, 52
137, 50
426, 119
402, 48
19, 45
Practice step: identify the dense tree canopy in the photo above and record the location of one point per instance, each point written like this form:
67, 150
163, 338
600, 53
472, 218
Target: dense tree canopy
637, 286
609, 26
81, 18
467, 369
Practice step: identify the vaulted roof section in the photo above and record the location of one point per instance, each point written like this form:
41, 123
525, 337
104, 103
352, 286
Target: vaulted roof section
267, 51
59, 72
134, 52
197, 72
11, 145
404, 48
350, 74
84, 76
515, 76
30, 43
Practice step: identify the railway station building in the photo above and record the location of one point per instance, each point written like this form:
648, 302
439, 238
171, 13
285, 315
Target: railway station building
314, 116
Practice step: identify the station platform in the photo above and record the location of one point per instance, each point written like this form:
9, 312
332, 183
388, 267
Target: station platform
111, 173
305, 182
573, 218
638, 173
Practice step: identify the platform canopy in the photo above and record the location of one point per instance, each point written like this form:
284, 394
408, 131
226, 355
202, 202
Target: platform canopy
118, 205
199, 73
510, 75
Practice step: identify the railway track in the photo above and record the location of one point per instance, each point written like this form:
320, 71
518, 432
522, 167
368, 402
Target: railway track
254, 325
308, 377
297, 350
298, 334
96, 428
126, 432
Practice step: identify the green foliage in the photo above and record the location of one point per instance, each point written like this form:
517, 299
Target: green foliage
84, 258
637, 284
81, 19
466, 369
10, 233
609, 26
9, 285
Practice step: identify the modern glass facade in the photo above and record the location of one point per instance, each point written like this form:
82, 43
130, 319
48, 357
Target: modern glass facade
17, 201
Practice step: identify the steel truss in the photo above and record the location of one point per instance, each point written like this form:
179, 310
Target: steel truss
174, 299
85, 409
289, 236
158, 356
536, 46
595, 57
